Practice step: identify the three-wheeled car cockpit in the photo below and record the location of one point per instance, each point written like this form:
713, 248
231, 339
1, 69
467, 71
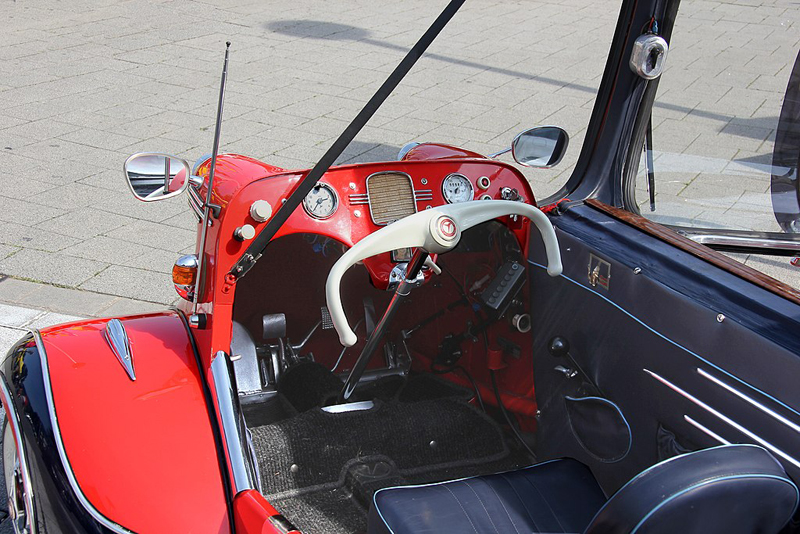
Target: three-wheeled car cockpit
418, 345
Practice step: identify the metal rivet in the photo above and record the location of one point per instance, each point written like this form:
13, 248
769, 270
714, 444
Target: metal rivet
428, 207
353, 186
357, 213
433, 444
637, 270
424, 181
720, 317
295, 468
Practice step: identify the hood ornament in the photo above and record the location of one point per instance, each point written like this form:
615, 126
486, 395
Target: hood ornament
118, 340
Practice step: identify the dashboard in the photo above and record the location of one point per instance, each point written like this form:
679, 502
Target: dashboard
351, 202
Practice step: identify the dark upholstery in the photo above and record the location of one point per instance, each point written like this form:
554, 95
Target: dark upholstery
728, 489
556, 496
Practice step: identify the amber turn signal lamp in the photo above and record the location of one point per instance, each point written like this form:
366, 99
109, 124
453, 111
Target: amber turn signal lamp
184, 275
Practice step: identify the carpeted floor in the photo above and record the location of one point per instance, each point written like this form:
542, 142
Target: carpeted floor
321, 469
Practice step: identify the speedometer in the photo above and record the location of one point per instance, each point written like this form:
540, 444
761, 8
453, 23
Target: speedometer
321, 202
457, 188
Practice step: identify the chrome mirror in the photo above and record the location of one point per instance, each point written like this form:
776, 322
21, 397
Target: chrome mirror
153, 176
542, 147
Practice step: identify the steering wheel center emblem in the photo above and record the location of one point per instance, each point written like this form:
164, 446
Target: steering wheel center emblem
447, 227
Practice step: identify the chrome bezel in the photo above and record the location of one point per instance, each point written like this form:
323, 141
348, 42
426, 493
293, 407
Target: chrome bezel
556, 162
171, 194
467, 180
369, 196
186, 291
332, 191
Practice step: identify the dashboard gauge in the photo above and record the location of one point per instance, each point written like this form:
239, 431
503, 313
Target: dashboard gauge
321, 202
457, 188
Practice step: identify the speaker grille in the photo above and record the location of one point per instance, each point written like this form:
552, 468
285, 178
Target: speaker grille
391, 196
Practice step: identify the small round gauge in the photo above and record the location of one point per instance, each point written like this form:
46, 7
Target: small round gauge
321, 202
457, 188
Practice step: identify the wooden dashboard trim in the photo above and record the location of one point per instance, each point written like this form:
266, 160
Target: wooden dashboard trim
701, 251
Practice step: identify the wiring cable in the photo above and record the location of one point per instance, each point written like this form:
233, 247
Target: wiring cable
500, 403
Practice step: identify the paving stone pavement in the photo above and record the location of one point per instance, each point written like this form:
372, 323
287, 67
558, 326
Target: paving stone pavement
86, 83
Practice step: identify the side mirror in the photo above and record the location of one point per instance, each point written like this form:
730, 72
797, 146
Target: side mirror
542, 147
153, 176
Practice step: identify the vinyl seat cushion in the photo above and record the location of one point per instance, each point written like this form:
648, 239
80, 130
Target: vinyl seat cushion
555, 496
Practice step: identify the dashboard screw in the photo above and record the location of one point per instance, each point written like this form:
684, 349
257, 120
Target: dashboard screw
357, 213
637, 270
720, 317
424, 181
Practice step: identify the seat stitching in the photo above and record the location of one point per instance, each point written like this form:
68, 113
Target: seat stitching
500, 499
533, 485
462, 509
527, 510
484, 506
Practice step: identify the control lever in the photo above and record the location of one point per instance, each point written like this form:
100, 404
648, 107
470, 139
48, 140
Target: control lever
558, 347
430, 264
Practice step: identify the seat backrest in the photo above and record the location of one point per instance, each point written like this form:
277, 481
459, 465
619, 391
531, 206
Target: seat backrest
728, 489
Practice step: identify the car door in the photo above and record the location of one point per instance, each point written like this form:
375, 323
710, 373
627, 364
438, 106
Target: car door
651, 344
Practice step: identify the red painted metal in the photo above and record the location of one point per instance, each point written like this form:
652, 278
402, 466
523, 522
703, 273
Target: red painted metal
431, 151
253, 515
239, 181
138, 446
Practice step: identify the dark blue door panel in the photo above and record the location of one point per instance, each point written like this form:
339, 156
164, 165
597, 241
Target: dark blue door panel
691, 355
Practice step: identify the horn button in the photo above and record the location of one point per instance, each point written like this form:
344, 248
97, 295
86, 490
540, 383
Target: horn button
444, 231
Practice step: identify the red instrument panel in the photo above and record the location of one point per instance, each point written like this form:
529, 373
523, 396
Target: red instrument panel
369, 196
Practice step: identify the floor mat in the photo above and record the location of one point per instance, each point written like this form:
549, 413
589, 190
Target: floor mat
320, 469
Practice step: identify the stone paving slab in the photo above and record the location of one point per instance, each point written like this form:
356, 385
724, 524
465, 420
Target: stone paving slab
86, 84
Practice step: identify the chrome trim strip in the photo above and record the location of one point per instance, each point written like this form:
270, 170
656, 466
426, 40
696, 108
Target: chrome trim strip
62, 453
349, 407
232, 425
761, 441
196, 203
706, 430
774, 415
14, 421
709, 239
117, 339
195, 207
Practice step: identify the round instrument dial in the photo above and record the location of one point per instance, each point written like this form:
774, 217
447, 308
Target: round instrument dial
457, 188
321, 202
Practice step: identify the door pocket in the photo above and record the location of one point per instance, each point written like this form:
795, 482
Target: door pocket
599, 427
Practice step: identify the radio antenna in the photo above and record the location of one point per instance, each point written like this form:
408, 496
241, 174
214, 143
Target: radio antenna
195, 319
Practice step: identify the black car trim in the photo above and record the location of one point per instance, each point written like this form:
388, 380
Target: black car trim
22, 455
215, 425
